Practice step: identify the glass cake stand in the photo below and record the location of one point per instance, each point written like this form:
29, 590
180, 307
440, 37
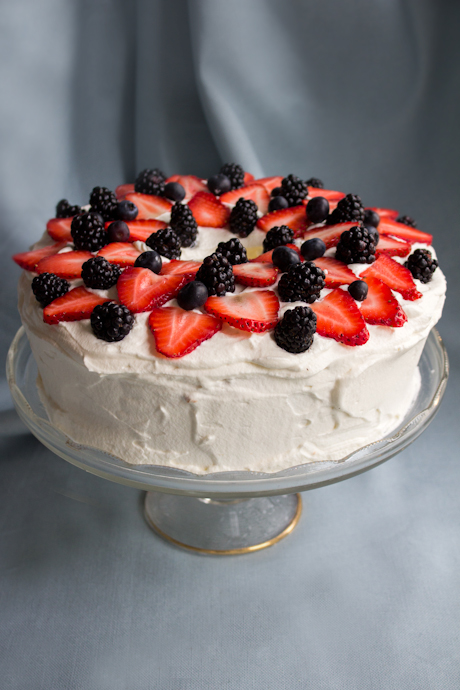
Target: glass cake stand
227, 512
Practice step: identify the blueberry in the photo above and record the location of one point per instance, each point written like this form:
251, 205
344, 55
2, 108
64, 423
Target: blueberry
277, 191
219, 184
277, 202
174, 191
358, 290
127, 210
371, 217
192, 295
313, 249
151, 260
373, 231
118, 231
284, 257
317, 209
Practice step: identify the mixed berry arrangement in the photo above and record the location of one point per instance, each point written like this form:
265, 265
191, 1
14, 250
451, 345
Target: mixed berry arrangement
301, 221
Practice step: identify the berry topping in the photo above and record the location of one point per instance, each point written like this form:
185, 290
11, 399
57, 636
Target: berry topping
149, 206
371, 217
66, 265
233, 250
392, 246
277, 191
48, 287
339, 318
123, 189
278, 236
150, 182
317, 209
88, 232
269, 182
181, 268
178, 332
192, 295
422, 265
330, 234
394, 275
75, 305
294, 333
118, 231
59, 229
380, 307
127, 210
208, 211
111, 321
219, 184
277, 203
332, 195
358, 289
184, 224
217, 274
166, 242
121, 253
356, 246
313, 249
174, 191
243, 217
293, 189
151, 260
140, 230
99, 274
406, 220
284, 257
249, 311
315, 182
372, 230
255, 274
303, 283
65, 210
104, 202
383, 212
388, 226
294, 217
267, 257
140, 289
337, 273
348, 209
235, 174
255, 192
191, 184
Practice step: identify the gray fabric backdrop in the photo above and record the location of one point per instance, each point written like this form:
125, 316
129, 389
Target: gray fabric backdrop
365, 593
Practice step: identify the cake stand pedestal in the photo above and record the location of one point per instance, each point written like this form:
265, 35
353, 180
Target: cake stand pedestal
225, 513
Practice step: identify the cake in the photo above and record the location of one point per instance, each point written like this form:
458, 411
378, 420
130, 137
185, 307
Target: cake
228, 324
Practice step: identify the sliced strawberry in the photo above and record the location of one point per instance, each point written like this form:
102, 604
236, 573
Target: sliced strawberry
248, 178
330, 234
178, 332
191, 183
140, 289
394, 275
149, 206
294, 217
266, 257
29, 260
208, 211
59, 229
329, 194
255, 274
256, 192
337, 274
249, 311
123, 189
75, 305
384, 212
140, 230
381, 307
121, 253
66, 265
269, 182
181, 268
404, 232
392, 246
339, 318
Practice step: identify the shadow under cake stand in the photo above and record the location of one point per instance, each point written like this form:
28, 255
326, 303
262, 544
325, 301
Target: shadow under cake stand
228, 512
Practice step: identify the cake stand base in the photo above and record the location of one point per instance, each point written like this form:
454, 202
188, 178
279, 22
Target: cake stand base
223, 527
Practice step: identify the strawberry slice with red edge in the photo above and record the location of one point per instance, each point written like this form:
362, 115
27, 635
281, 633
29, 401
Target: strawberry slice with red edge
140, 289
383, 212
140, 230
208, 211
249, 311
329, 194
294, 217
181, 268
266, 257
394, 275
248, 178
330, 234
337, 273
123, 189
255, 192
404, 232
391, 246
381, 308
121, 253
270, 182
149, 205
255, 274
66, 265
178, 332
59, 229
191, 183
339, 318
75, 305
29, 260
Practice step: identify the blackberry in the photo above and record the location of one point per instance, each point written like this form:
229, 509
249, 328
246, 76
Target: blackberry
166, 242
356, 246
314, 182
48, 287
302, 282
406, 220
184, 224
104, 202
349, 210
111, 321
88, 232
235, 174
150, 182
233, 250
294, 190
243, 217
422, 265
217, 274
65, 210
275, 237
294, 333
100, 274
